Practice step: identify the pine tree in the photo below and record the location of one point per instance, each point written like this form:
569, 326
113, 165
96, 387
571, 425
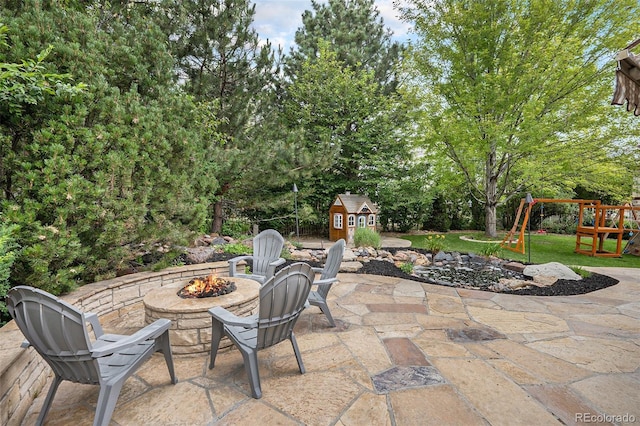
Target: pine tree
95, 177
222, 62
357, 34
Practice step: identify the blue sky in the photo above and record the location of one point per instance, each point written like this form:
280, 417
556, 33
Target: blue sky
278, 20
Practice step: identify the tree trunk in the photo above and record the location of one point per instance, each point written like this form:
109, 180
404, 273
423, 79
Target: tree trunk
216, 225
490, 220
491, 194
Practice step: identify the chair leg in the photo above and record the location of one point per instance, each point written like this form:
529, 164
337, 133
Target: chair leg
325, 310
251, 366
49, 399
163, 345
294, 343
216, 336
107, 399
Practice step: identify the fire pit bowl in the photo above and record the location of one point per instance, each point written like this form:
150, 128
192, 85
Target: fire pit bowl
209, 286
190, 331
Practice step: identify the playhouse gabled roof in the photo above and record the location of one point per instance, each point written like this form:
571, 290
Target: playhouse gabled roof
355, 203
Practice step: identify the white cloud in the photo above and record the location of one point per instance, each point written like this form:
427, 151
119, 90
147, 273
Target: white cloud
278, 20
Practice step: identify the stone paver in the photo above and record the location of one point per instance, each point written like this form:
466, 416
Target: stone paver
407, 354
369, 409
438, 405
564, 404
404, 352
500, 400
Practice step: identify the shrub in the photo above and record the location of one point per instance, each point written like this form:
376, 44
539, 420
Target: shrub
491, 250
236, 248
285, 253
8, 248
435, 243
580, 271
297, 244
169, 259
236, 227
559, 224
365, 237
406, 267
439, 218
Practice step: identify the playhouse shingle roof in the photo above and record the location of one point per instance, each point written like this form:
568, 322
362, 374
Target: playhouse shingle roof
354, 203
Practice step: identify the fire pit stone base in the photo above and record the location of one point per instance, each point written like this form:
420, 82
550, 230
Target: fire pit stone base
190, 331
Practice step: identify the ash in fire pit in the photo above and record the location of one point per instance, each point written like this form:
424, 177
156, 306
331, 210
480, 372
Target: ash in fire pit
210, 286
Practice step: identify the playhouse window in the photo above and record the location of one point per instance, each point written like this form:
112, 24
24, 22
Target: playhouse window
352, 221
337, 221
362, 222
372, 220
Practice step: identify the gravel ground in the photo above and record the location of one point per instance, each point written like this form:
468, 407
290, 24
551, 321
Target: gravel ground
560, 288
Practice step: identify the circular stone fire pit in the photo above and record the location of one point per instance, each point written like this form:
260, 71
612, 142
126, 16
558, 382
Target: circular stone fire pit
190, 331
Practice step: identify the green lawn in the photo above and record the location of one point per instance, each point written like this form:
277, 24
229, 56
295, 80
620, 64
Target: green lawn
544, 248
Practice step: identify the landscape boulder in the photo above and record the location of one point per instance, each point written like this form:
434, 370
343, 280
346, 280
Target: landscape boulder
551, 269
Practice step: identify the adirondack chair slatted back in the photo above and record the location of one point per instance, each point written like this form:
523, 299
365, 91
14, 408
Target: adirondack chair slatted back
267, 246
282, 298
57, 331
331, 266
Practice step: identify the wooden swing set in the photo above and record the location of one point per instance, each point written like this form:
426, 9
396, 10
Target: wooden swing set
596, 222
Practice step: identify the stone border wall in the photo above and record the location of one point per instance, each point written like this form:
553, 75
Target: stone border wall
24, 374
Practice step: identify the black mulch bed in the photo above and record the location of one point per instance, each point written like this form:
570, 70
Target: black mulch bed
388, 269
560, 288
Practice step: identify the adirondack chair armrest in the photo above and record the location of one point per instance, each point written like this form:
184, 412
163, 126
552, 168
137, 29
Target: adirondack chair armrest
95, 323
228, 318
325, 281
271, 270
233, 263
278, 262
152, 331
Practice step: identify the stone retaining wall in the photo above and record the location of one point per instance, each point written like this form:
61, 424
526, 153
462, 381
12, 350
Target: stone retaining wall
23, 373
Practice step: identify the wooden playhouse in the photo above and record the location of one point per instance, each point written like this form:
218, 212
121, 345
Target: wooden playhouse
349, 212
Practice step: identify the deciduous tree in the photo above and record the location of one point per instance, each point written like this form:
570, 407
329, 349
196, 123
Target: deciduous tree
342, 91
516, 93
350, 125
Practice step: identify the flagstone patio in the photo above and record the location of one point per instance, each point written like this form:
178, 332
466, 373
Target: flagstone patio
406, 353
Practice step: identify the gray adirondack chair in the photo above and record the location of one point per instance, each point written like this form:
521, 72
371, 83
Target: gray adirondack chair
58, 331
328, 276
267, 247
282, 299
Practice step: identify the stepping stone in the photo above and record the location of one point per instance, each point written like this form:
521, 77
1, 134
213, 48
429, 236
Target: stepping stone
464, 335
398, 378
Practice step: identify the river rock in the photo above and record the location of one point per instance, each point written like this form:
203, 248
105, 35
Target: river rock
304, 255
544, 280
350, 266
349, 256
